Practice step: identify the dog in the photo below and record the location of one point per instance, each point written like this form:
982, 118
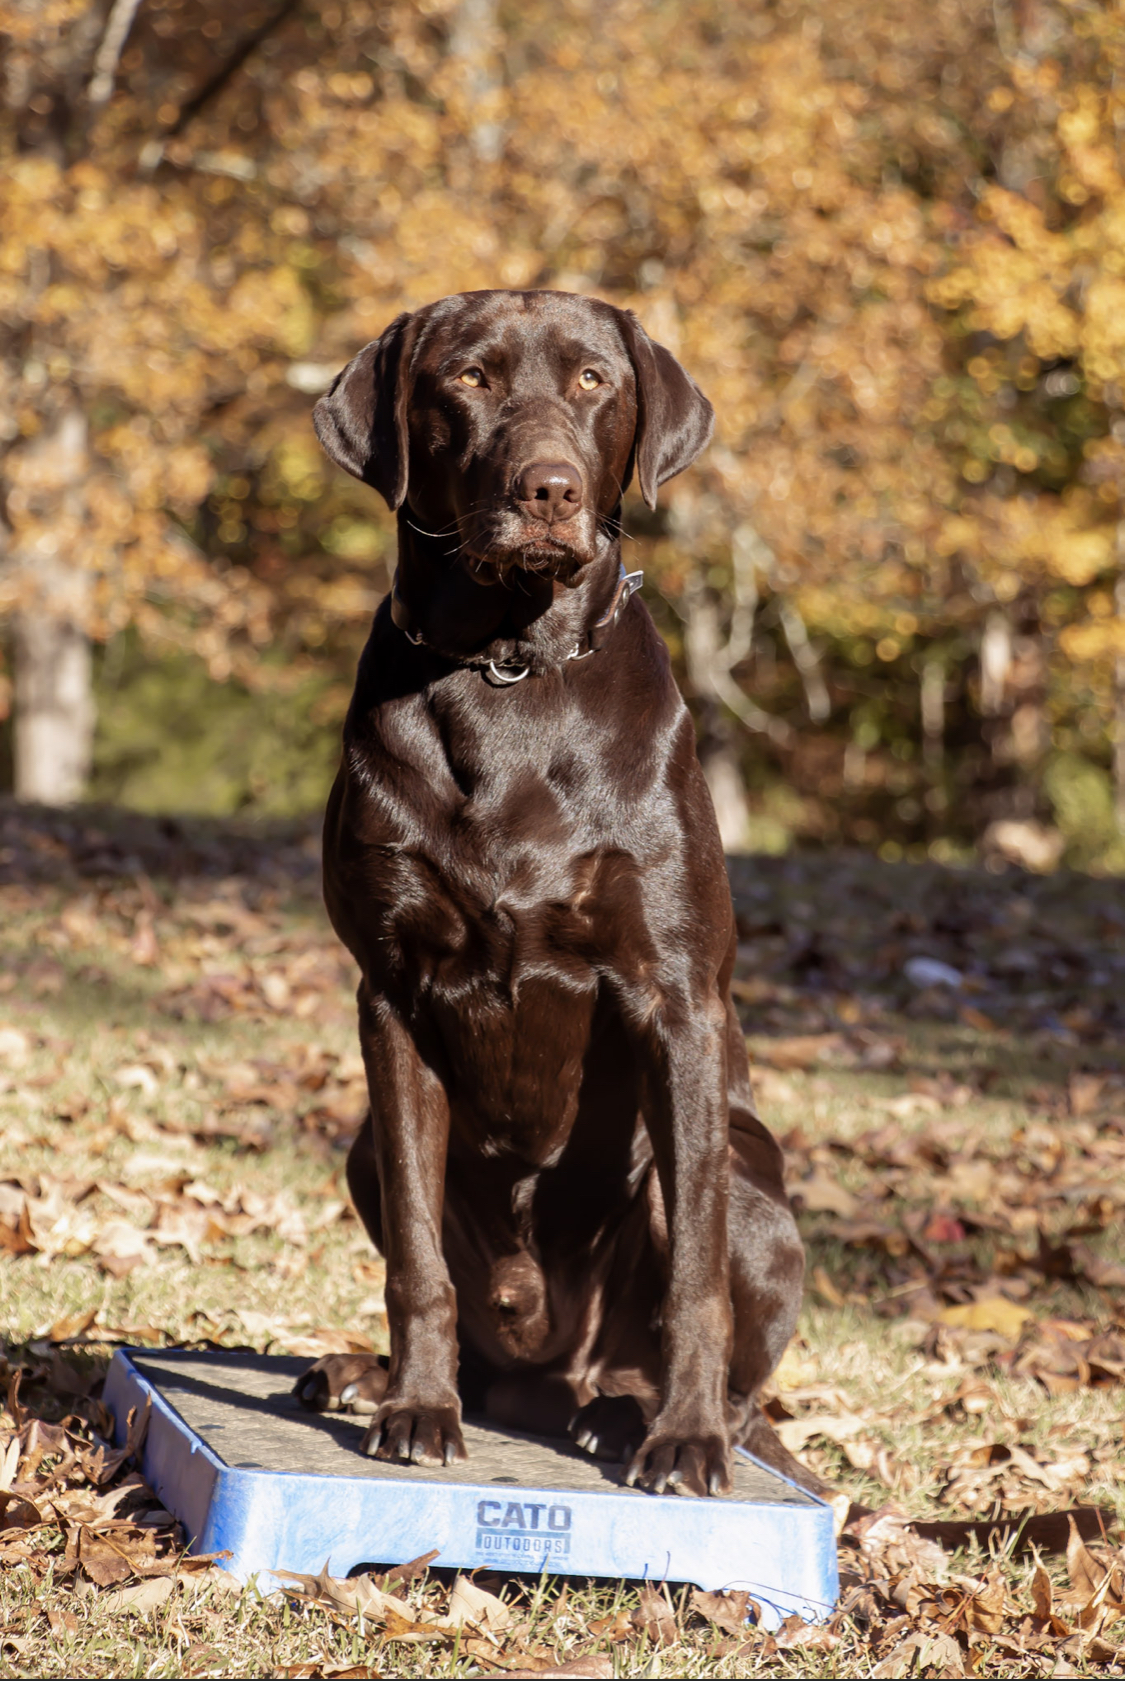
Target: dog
583, 1219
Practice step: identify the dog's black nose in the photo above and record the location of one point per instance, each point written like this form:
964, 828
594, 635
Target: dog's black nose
549, 490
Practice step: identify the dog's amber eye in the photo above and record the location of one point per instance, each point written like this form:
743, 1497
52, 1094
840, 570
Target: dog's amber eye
588, 380
471, 376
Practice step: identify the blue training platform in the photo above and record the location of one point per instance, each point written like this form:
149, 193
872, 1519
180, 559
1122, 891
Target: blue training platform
245, 1469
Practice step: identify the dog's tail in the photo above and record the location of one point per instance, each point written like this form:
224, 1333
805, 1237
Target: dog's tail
756, 1434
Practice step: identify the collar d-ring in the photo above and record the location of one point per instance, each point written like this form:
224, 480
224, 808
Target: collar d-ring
506, 674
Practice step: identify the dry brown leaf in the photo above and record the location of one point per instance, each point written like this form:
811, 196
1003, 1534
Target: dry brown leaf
822, 1195
470, 1604
1086, 1575
926, 1653
985, 1609
614, 1629
103, 1561
351, 1596
729, 1611
596, 1667
1042, 1593
16, 1512
141, 1597
836, 1427
800, 1050
654, 1615
795, 1631
1084, 1092
825, 1287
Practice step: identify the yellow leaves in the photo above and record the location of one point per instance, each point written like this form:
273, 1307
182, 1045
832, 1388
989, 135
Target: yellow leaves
1066, 538
270, 305
993, 1313
188, 474
1088, 644
1105, 327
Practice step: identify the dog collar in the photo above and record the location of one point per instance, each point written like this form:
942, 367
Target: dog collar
628, 583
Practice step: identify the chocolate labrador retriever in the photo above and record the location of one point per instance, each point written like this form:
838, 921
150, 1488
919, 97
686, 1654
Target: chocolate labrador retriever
583, 1219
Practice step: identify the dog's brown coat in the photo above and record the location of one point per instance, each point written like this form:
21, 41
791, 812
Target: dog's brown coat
562, 1164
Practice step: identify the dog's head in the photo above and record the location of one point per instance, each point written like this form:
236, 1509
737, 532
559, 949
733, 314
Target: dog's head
509, 424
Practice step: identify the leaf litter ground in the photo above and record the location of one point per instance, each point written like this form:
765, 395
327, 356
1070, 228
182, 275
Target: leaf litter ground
940, 1052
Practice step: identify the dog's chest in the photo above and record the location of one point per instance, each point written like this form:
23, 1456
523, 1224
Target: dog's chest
462, 919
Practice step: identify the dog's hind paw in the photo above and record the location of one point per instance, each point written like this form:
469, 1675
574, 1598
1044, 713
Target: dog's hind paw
351, 1383
610, 1427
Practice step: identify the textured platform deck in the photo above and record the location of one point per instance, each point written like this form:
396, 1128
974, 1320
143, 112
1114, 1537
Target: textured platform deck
246, 1469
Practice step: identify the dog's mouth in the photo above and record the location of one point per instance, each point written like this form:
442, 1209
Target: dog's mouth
510, 546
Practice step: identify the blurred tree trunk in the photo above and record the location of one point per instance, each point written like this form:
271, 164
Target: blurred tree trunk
45, 478
704, 652
1119, 698
54, 707
995, 669
473, 38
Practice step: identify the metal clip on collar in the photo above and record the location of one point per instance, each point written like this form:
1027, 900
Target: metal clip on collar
628, 583
503, 676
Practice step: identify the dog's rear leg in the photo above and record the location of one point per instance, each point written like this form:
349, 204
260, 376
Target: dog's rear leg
353, 1383
767, 1265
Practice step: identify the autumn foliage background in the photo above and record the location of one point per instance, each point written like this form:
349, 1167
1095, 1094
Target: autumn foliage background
887, 237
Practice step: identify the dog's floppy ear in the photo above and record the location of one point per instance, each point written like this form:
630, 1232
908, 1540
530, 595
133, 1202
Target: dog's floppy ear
362, 418
674, 418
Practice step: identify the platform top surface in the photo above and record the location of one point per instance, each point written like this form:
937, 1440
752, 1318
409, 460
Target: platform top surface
241, 1405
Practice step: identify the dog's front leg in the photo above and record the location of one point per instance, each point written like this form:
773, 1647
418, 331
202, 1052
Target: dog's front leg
688, 1446
420, 1415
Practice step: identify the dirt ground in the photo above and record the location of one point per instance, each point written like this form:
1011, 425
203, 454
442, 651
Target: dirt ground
941, 1052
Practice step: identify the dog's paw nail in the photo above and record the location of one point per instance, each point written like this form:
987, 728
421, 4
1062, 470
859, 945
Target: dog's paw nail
348, 1393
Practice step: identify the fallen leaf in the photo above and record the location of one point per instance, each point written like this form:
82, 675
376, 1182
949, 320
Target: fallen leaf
1084, 1093
993, 1313
794, 1369
728, 1611
835, 1427
826, 1288
138, 1076
797, 1631
654, 1615
822, 1195
17, 1512
597, 1667
985, 1610
802, 1050
470, 1604
943, 1228
1085, 1574
351, 1595
141, 1597
924, 1653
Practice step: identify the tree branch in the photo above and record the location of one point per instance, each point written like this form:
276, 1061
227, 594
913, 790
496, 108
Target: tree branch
108, 56
230, 68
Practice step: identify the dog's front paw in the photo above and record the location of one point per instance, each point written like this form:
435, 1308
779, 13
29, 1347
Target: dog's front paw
609, 1427
415, 1435
352, 1383
681, 1464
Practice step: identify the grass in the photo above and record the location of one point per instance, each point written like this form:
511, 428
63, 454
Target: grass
175, 1014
